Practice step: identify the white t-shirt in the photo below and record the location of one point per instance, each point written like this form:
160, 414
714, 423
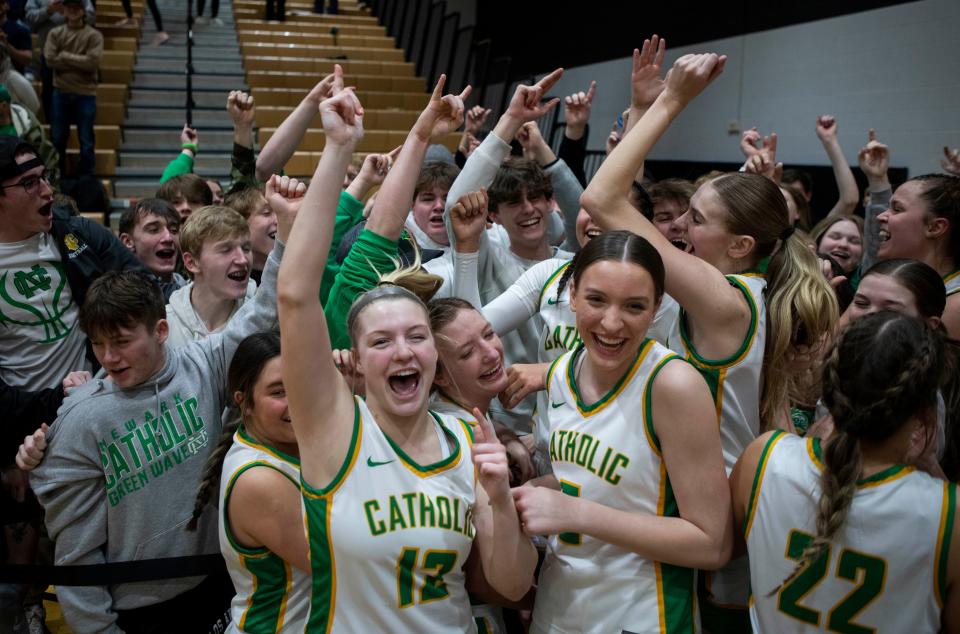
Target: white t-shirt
39, 336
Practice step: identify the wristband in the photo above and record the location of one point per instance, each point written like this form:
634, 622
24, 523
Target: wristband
190, 146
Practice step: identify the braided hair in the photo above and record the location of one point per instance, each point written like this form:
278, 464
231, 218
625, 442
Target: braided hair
883, 372
248, 362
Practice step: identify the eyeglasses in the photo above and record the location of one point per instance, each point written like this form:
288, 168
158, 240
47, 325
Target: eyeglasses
30, 184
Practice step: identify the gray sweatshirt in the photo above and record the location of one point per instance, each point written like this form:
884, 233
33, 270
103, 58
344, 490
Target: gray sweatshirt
122, 467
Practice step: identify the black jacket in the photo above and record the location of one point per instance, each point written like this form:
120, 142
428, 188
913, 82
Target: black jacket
87, 250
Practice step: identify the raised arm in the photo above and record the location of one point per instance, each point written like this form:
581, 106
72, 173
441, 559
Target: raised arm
698, 286
240, 107
443, 114
183, 162
573, 147
849, 195
874, 160
322, 420
277, 151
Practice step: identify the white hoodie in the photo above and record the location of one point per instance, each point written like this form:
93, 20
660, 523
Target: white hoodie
186, 325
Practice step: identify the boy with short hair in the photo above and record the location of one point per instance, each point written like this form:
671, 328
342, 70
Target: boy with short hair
250, 203
216, 252
125, 456
429, 199
187, 193
151, 229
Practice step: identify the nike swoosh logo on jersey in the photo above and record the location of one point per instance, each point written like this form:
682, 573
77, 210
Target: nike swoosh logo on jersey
374, 463
551, 302
556, 405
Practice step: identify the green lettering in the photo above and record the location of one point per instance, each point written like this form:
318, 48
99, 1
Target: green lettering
443, 512
456, 516
148, 441
553, 447
603, 463
396, 515
154, 423
128, 441
612, 476
411, 516
583, 450
197, 421
117, 461
570, 449
426, 506
593, 454
377, 527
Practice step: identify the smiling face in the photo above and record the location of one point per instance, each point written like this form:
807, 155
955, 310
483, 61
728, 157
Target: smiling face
222, 268
217, 192
614, 304
266, 415
132, 354
906, 225
155, 241
25, 211
428, 214
395, 352
587, 229
263, 229
525, 220
666, 212
471, 358
843, 242
704, 229
879, 292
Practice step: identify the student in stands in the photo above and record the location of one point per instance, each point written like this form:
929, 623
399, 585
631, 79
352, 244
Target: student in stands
151, 229
216, 251
187, 193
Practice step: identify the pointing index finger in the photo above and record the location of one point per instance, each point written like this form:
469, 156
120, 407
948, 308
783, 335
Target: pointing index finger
548, 82
438, 89
485, 426
592, 91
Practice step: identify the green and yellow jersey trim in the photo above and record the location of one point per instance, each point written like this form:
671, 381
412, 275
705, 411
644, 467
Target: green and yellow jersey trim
758, 480
949, 277
675, 585
748, 340
891, 473
648, 427
594, 408
267, 603
943, 542
553, 276
243, 437
318, 508
425, 471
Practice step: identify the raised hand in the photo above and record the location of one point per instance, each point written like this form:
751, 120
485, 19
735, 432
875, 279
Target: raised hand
30, 453
285, 195
534, 147
751, 142
240, 107
490, 459
443, 114
189, 135
691, 74
342, 114
343, 359
874, 158
327, 87
476, 117
951, 161
577, 108
75, 379
646, 84
544, 511
764, 162
469, 219
375, 167
826, 128
468, 143
525, 104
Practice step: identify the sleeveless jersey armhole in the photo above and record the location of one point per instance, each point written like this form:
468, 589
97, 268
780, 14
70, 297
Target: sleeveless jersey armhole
943, 542
777, 436
745, 346
348, 461
648, 426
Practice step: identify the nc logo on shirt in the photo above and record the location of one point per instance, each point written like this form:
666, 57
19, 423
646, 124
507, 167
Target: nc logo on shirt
32, 298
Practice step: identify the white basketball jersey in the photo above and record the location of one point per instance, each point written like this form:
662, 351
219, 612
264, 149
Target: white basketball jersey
735, 382
272, 596
609, 453
885, 571
952, 282
388, 537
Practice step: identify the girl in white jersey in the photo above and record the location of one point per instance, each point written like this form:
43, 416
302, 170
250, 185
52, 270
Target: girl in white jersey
749, 291
923, 223
639, 498
391, 502
257, 468
826, 523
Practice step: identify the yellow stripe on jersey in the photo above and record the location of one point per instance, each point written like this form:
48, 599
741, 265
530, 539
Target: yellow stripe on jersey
648, 426
894, 472
550, 279
553, 365
943, 542
949, 277
589, 410
758, 481
245, 438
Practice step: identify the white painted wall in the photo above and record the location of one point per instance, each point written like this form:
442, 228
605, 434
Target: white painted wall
895, 69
